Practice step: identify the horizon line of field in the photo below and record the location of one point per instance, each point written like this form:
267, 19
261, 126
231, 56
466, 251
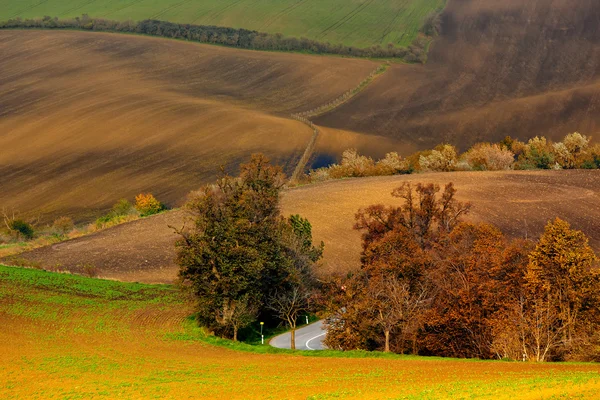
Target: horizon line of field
357, 25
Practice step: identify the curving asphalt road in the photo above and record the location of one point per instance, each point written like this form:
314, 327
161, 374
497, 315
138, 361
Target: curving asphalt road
309, 337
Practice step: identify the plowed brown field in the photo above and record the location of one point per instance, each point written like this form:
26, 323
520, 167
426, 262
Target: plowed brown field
510, 67
87, 118
520, 203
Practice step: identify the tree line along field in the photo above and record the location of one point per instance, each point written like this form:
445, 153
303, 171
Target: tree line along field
360, 23
66, 336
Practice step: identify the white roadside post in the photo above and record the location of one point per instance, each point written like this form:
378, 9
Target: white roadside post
306, 319
262, 337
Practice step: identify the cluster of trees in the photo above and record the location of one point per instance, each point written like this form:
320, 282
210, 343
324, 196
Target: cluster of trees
431, 284
575, 151
241, 258
241, 38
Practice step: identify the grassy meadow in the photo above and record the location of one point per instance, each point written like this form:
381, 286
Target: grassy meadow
360, 23
69, 337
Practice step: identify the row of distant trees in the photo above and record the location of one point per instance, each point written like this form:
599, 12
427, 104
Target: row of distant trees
575, 151
240, 38
429, 284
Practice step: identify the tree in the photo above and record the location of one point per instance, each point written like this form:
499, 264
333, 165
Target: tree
443, 158
422, 213
289, 305
146, 204
560, 272
17, 226
239, 249
469, 285
393, 304
490, 157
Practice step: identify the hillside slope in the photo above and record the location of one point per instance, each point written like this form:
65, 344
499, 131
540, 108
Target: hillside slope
73, 337
519, 203
511, 67
360, 23
88, 118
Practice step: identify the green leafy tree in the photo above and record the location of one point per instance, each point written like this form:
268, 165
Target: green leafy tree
240, 251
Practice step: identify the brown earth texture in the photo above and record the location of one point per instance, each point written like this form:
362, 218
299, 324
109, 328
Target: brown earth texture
519, 203
510, 67
88, 118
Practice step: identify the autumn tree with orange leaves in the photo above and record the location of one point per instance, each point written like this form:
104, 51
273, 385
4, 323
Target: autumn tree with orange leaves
432, 284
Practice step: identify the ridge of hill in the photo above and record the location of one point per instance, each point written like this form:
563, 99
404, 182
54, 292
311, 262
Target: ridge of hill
520, 203
512, 67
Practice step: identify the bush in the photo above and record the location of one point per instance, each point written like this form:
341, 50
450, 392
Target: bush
489, 157
147, 204
571, 152
538, 153
353, 165
63, 225
392, 164
22, 229
443, 158
123, 207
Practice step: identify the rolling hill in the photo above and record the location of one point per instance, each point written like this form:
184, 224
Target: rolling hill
519, 68
89, 118
520, 203
86, 119
360, 23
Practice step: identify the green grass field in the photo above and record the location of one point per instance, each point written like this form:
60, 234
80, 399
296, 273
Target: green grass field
69, 337
359, 23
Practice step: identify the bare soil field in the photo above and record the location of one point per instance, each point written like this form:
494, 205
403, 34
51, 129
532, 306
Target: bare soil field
520, 203
73, 337
519, 68
89, 118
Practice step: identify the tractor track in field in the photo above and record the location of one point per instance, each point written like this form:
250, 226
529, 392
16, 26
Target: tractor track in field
166, 10
283, 12
31, 7
345, 18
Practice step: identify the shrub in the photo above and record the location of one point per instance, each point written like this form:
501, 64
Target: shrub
63, 225
392, 164
537, 154
571, 152
353, 165
123, 207
319, 175
22, 229
489, 157
442, 158
147, 204
592, 158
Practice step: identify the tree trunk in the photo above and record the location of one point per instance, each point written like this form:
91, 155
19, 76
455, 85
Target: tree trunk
293, 338
387, 341
235, 334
